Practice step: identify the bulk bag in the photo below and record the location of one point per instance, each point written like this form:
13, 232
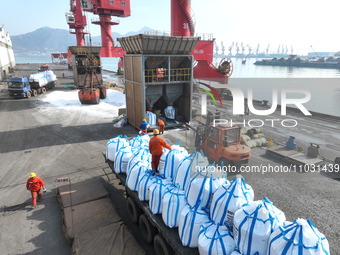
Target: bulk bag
140, 141
134, 176
190, 222
228, 199
151, 118
214, 240
253, 224
172, 160
163, 160
235, 252
141, 156
298, 237
170, 112
156, 192
201, 189
122, 158
114, 145
143, 188
182, 177
173, 203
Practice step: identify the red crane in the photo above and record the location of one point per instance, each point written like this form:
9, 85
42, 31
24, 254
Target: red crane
182, 24
105, 9
77, 21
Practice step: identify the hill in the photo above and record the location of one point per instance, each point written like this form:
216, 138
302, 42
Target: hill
46, 40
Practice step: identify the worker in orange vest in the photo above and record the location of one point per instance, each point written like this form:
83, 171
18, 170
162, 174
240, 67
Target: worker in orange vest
161, 125
156, 145
160, 74
34, 184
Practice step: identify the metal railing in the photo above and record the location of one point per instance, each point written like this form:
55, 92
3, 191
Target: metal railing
87, 52
176, 74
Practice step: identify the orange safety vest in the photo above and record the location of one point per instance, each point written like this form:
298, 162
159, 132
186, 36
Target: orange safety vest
160, 73
35, 184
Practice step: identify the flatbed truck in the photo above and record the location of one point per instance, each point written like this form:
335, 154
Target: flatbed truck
152, 228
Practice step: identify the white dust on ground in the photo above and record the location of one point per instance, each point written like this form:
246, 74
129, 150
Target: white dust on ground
69, 101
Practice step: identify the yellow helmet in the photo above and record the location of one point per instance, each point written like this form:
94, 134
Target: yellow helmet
156, 131
144, 120
32, 175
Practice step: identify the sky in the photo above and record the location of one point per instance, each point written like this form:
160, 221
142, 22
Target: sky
307, 25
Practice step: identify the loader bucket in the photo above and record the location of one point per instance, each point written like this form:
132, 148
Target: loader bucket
89, 96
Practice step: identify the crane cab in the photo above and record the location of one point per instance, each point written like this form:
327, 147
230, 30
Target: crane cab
223, 145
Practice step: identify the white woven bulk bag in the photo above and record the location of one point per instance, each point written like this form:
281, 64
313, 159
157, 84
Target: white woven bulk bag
190, 222
134, 176
173, 158
114, 145
296, 238
182, 178
140, 141
253, 224
163, 161
143, 187
156, 192
235, 252
201, 190
141, 156
173, 203
228, 199
151, 118
215, 240
122, 158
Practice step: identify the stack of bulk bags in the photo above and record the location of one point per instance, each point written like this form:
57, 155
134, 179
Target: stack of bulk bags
299, 237
182, 177
114, 145
190, 222
156, 193
214, 240
134, 176
173, 203
170, 112
151, 118
228, 199
122, 158
201, 189
172, 160
254, 223
144, 183
140, 156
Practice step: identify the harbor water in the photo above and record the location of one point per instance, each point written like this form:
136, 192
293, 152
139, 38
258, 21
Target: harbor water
323, 84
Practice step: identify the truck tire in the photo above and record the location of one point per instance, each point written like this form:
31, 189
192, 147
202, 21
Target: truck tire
146, 229
34, 93
133, 210
161, 247
43, 90
28, 94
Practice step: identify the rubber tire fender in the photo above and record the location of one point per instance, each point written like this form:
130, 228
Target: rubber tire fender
133, 210
146, 229
161, 247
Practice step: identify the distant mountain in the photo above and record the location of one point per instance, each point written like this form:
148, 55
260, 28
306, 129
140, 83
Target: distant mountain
46, 40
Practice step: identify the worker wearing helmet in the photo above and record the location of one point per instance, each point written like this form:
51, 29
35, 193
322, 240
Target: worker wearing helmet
161, 125
144, 127
156, 145
34, 184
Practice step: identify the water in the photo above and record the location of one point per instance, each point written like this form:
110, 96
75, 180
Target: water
323, 84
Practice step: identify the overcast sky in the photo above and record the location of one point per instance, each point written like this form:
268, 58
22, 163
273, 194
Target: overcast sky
300, 23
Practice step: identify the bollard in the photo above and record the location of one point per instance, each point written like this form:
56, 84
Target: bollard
63, 75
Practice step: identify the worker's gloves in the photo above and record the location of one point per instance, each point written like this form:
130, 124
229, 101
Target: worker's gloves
44, 189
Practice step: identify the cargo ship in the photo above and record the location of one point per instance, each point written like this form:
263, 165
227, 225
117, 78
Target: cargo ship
7, 61
295, 61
